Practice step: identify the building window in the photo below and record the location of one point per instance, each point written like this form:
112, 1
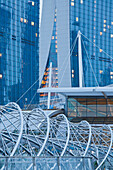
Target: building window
100, 33
52, 37
72, 3
100, 50
21, 19
104, 21
33, 3
101, 71
81, 1
72, 71
55, 46
104, 30
72, 75
32, 23
43, 82
111, 35
111, 23
36, 34
55, 19
0, 54
25, 20
0, 76
77, 19
111, 73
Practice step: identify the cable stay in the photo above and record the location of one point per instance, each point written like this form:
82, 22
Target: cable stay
65, 64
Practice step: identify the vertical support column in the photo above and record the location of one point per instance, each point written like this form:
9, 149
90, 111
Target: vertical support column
97, 153
50, 76
58, 163
66, 106
90, 164
34, 163
84, 166
6, 163
80, 60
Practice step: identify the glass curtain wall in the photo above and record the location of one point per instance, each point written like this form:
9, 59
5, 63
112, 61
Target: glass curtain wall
90, 107
94, 18
19, 50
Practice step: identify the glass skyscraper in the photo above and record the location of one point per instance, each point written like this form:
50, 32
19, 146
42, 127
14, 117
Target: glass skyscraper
94, 19
19, 50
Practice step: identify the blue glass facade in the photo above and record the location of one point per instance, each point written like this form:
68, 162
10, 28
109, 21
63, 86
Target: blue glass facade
19, 50
94, 18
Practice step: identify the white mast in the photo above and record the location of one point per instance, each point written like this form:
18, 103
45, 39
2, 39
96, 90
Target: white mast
80, 60
50, 76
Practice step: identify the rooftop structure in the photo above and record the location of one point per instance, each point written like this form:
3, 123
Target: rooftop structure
84, 91
94, 104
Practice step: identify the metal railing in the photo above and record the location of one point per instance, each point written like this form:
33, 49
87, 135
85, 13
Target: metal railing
46, 163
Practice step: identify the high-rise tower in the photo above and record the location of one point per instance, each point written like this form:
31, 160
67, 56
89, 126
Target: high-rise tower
19, 49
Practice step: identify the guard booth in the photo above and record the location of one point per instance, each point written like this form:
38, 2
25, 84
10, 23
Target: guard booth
94, 104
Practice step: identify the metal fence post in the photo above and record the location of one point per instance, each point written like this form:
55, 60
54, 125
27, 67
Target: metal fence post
83, 164
58, 162
6, 163
34, 163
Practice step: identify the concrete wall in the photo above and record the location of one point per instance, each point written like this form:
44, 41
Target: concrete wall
63, 39
46, 28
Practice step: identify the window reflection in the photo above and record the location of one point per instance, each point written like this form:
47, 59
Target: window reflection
90, 107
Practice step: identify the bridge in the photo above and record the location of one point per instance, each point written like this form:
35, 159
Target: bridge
36, 134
